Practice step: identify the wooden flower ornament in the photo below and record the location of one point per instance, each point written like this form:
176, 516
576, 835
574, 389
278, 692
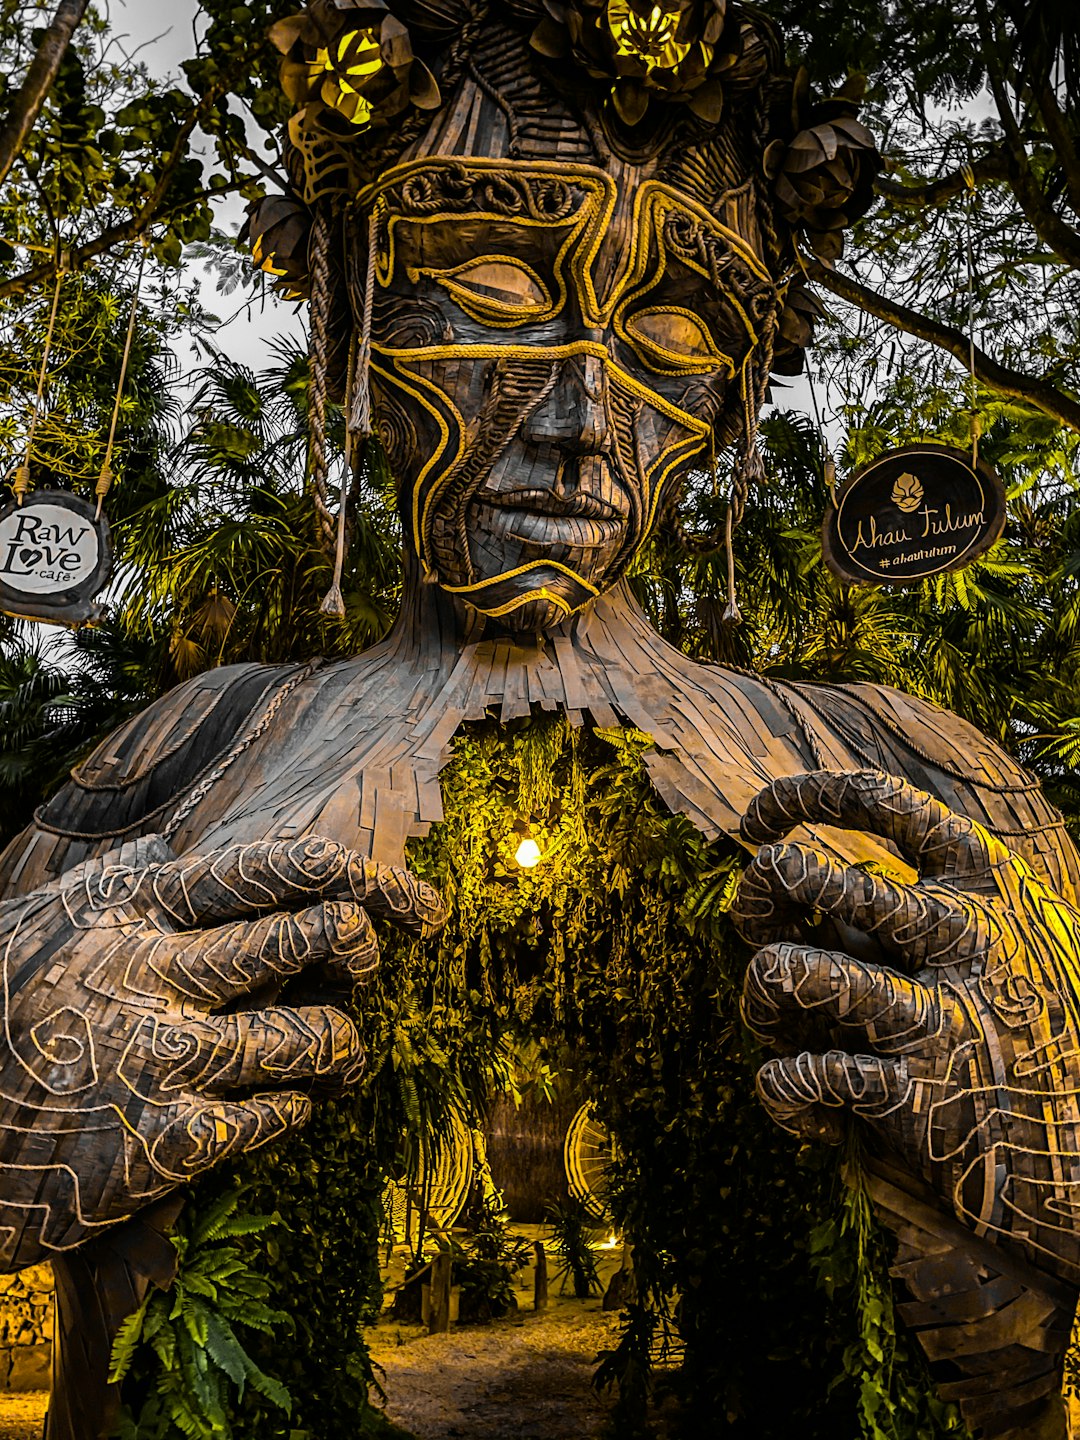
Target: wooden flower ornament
279, 232
349, 64
679, 51
824, 179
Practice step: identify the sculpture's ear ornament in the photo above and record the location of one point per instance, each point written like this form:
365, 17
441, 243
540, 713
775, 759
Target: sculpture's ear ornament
823, 180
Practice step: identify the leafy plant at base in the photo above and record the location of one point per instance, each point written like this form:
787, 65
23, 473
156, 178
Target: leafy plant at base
485, 1266
190, 1332
574, 1242
895, 1393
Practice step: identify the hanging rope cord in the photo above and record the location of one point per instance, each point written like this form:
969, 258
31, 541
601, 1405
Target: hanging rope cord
106, 476
21, 482
320, 350
976, 417
749, 468
357, 423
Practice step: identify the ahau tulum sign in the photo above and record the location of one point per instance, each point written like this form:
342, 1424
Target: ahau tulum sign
54, 557
913, 513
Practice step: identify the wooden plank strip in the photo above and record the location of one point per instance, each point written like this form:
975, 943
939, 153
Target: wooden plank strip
570, 673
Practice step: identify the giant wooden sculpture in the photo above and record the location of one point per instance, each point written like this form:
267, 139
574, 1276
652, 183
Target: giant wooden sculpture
552, 252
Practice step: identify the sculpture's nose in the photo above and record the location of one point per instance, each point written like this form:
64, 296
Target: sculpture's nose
573, 415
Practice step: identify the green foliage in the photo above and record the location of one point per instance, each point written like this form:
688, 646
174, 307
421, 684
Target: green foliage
573, 1239
179, 1354
226, 557
628, 1370
893, 1388
997, 643
486, 1264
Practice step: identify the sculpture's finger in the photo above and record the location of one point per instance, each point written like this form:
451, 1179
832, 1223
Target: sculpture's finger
239, 880
917, 924
794, 995
201, 1133
215, 966
809, 1095
220, 1054
927, 833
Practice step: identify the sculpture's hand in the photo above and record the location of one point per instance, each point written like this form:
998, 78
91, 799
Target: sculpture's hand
966, 1056
130, 1064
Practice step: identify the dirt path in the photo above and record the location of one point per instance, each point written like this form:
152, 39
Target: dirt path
525, 1378
21, 1415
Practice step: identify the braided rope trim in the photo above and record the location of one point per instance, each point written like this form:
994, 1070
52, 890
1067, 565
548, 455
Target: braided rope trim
203, 787
202, 783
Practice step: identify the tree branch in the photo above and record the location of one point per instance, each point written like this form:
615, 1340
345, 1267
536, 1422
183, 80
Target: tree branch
992, 165
1058, 404
40, 77
131, 229
1062, 139
1051, 229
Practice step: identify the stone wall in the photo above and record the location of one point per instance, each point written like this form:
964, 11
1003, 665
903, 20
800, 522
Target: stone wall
26, 1327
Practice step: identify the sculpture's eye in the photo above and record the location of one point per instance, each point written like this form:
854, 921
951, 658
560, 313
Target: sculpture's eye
496, 291
675, 340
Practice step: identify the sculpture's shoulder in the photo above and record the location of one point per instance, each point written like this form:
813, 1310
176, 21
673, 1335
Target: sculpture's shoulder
135, 781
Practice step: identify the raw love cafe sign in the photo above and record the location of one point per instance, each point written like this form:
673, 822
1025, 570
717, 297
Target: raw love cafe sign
913, 513
54, 556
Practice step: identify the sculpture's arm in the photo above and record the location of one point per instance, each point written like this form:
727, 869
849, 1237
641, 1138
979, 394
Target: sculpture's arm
954, 1040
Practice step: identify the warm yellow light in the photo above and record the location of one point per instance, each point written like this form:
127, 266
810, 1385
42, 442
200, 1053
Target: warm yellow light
612, 1242
528, 853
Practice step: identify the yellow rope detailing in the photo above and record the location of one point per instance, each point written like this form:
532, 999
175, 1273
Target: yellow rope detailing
105, 477
542, 594
653, 202
522, 570
488, 309
21, 481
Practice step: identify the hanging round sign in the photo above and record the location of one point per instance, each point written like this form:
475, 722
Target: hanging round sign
55, 555
911, 514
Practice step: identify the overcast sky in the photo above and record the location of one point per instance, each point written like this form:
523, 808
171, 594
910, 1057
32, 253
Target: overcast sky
162, 31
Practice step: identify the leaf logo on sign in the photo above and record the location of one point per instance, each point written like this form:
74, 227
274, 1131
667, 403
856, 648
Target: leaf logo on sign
907, 493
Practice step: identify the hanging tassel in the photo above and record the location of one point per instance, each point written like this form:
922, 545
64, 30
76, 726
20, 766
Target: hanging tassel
749, 470
318, 347
357, 420
732, 614
333, 602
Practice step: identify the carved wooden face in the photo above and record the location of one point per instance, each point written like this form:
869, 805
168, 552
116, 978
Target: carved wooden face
551, 346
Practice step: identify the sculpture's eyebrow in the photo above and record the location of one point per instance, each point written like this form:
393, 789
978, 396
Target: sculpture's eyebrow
542, 196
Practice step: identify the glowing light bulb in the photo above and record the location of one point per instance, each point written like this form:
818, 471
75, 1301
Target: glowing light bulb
528, 853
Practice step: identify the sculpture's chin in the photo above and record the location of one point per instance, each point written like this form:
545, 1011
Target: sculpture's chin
536, 613
537, 597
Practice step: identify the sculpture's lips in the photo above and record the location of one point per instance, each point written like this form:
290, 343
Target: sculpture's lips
538, 501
